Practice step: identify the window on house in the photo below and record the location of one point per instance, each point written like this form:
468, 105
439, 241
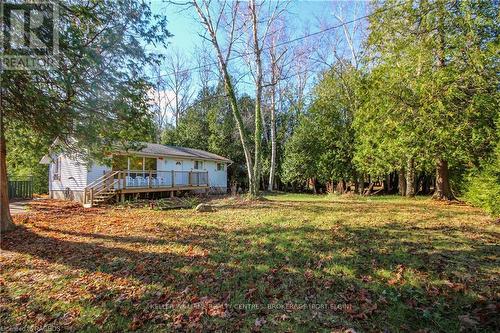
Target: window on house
57, 169
220, 166
198, 165
149, 164
136, 163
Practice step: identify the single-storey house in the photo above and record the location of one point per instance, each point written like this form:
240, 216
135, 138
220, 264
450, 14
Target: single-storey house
153, 168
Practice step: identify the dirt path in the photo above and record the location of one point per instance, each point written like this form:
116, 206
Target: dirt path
17, 207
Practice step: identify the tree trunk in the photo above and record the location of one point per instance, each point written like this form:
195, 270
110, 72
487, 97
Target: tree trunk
387, 184
176, 110
370, 188
275, 77
313, 183
410, 178
341, 187
241, 129
443, 189
258, 100
344, 186
330, 187
228, 85
402, 182
5, 218
361, 185
394, 181
273, 140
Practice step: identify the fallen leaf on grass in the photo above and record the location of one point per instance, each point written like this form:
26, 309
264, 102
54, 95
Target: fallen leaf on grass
398, 275
467, 322
250, 293
457, 287
260, 321
24, 298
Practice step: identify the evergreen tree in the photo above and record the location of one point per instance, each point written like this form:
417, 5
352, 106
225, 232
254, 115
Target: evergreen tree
321, 147
431, 88
209, 124
98, 93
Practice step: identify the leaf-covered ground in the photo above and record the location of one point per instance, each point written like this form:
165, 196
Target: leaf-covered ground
291, 263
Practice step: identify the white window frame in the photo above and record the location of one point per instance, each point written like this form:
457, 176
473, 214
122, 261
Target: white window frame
56, 175
197, 165
220, 167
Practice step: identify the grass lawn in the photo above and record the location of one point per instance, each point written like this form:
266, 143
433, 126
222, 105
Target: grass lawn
290, 263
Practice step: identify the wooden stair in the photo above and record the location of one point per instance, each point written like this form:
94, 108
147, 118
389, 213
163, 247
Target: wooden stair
104, 197
100, 191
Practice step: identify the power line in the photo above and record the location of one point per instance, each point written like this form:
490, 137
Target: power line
284, 42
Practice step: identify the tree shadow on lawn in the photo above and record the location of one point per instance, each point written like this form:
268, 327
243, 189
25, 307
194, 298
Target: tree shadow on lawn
369, 207
380, 277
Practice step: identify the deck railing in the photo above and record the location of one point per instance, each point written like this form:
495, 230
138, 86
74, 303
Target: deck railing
159, 179
115, 180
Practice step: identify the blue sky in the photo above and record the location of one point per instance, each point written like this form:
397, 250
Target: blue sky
303, 17
184, 26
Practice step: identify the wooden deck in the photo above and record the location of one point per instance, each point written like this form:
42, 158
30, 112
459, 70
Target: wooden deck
116, 184
161, 189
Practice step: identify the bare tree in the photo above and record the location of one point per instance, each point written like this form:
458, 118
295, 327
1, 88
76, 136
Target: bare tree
160, 101
207, 68
262, 18
342, 44
301, 70
277, 62
178, 84
258, 77
218, 20
347, 50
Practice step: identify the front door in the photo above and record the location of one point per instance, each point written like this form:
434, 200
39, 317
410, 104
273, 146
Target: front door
179, 177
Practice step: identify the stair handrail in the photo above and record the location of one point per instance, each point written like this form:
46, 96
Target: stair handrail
103, 181
98, 186
98, 180
112, 185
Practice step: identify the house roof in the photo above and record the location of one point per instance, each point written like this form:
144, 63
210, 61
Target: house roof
155, 149
45, 160
158, 150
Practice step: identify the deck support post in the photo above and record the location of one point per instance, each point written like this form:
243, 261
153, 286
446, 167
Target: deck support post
172, 194
122, 197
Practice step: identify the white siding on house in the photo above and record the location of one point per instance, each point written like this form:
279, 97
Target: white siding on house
73, 175
216, 178
96, 171
168, 164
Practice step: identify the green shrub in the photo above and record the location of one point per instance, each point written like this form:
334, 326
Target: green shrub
483, 188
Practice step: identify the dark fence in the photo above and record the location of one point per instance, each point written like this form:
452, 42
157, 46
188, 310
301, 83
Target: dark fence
21, 188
